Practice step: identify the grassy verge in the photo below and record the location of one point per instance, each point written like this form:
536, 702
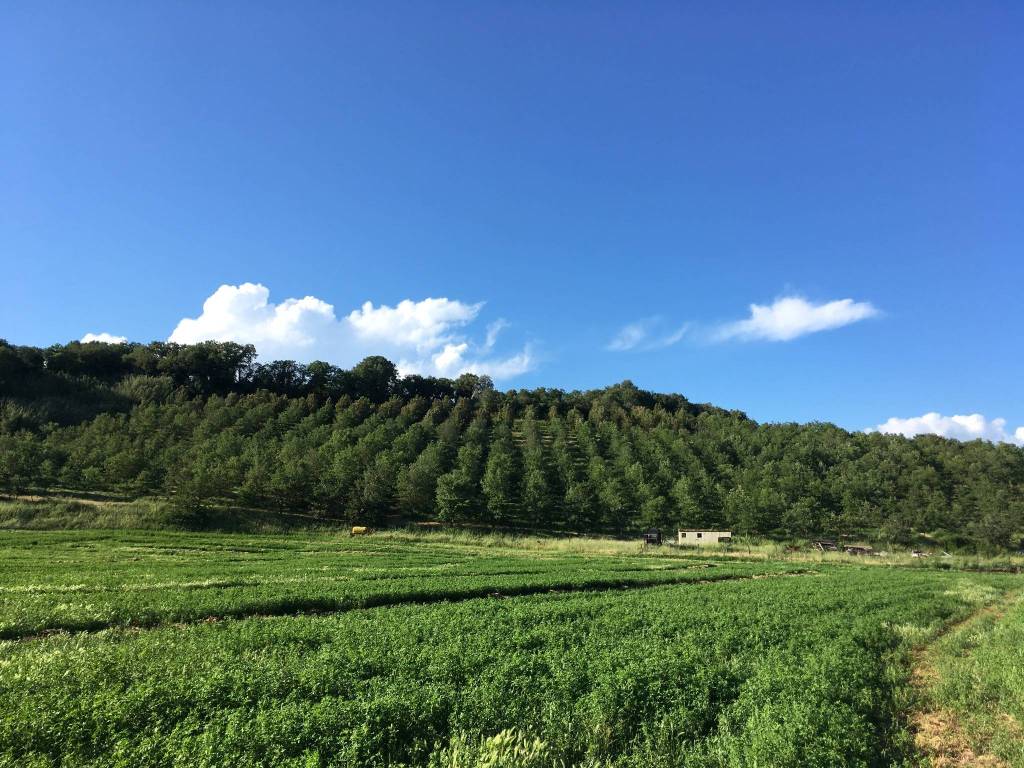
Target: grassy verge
60, 511
41, 513
975, 689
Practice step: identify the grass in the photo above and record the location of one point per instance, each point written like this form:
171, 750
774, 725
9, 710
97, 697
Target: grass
86, 580
450, 649
978, 682
56, 513
62, 511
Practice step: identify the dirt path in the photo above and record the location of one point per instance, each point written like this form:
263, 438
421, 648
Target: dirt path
938, 733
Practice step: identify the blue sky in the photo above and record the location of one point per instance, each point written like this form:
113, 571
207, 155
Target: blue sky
599, 176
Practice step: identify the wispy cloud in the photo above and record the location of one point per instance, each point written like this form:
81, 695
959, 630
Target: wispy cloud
791, 317
106, 338
672, 338
493, 329
971, 427
649, 333
429, 336
628, 337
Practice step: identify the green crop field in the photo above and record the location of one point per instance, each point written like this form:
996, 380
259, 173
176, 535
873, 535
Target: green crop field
160, 648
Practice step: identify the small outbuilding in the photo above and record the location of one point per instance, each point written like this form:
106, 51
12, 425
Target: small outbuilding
695, 537
652, 537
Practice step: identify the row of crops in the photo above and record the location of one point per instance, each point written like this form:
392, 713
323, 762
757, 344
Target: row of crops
89, 582
808, 670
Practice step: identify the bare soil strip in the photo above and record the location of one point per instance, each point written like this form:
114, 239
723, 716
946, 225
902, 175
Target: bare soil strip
938, 733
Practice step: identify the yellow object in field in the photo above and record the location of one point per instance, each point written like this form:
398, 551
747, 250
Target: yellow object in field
360, 530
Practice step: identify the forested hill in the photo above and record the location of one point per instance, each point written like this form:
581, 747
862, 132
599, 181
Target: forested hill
208, 424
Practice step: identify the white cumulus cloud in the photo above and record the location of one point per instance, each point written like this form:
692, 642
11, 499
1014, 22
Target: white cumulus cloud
452, 360
646, 334
427, 337
792, 316
424, 325
970, 427
244, 314
106, 338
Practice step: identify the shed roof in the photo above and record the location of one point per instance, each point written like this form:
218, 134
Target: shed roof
702, 530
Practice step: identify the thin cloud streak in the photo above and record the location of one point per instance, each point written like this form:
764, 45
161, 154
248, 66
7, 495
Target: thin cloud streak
644, 335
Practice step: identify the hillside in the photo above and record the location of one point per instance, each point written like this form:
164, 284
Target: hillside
206, 423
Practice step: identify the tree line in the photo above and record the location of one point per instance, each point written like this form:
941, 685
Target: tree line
207, 424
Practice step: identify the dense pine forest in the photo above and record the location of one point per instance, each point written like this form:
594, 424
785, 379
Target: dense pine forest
208, 425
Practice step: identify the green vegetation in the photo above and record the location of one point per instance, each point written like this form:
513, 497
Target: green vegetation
469, 658
79, 580
210, 429
55, 512
979, 681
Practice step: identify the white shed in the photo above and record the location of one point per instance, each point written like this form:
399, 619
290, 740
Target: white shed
699, 537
